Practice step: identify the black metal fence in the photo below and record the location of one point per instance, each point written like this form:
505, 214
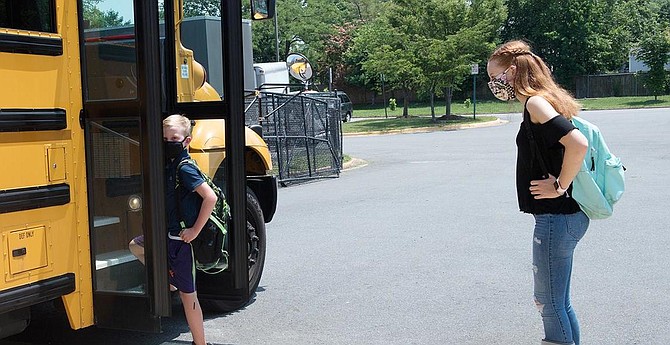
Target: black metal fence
303, 133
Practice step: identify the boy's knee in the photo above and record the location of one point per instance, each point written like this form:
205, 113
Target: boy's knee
188, 298
137, 250
134, 247
187, 294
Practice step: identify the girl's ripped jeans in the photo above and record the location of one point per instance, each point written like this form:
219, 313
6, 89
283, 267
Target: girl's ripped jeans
554, 241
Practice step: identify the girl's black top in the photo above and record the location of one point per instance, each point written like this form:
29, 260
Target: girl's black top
547, 136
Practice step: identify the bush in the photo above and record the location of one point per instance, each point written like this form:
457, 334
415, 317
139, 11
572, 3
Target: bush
467, 103
392, 104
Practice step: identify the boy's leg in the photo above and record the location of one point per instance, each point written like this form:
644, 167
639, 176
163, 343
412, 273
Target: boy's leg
182, 275
136, 247
193, 316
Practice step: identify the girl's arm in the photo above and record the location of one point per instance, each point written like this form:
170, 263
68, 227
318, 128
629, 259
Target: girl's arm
575, 145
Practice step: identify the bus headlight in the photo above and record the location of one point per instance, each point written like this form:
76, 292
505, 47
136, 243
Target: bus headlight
134, 203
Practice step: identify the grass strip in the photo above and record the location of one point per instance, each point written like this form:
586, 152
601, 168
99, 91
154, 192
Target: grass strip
497, 107
412, 122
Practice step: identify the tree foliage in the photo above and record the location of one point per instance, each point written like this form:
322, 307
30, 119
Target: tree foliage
102, 19
303, 26
427, 45
575, 37
193, 8
654, 48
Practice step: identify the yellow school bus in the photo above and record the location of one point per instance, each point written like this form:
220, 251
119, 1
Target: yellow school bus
83, 173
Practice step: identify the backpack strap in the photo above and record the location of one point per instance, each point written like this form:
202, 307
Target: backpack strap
181, 164
534, 148
176, 187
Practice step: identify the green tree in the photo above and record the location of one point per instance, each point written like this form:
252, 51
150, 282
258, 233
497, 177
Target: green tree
98, 19
381, 47
320, 29
460, 33
434, 43
303, 26
575, 37
194, 8
654, 51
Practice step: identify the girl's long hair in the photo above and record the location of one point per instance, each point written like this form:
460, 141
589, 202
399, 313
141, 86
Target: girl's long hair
533, 77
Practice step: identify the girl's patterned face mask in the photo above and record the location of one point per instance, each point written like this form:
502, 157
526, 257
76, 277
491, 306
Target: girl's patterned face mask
501, 88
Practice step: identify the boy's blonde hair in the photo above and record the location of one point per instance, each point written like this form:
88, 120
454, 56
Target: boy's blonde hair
178, 121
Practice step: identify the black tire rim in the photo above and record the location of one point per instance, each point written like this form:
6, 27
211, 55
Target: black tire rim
253, 249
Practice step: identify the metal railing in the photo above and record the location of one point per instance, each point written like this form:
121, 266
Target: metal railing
303, 133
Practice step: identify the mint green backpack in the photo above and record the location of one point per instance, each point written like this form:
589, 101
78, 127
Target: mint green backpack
600, 182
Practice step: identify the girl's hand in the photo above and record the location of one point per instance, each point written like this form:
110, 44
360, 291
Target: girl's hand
544, 189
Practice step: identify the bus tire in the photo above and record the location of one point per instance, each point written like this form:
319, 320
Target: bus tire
256, 240
14, 322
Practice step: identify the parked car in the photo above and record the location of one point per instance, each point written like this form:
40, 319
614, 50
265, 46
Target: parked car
346, 107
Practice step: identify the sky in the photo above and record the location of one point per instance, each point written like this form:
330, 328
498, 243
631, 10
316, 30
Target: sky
124, 7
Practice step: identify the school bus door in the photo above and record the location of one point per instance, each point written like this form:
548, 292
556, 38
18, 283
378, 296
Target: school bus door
122, 119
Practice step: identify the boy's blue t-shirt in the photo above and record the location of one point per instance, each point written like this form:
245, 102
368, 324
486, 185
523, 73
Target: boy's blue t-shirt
189, 201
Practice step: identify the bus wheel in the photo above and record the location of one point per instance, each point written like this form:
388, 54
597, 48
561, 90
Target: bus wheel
255, 240
255, 259
14, 322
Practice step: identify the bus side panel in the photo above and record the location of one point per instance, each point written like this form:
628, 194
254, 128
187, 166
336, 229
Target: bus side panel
43, 240
79, 305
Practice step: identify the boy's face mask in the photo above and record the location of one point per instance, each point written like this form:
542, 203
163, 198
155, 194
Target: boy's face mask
501, 88
173, 149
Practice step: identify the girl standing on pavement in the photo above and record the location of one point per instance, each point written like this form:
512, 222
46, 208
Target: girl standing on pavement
517, 73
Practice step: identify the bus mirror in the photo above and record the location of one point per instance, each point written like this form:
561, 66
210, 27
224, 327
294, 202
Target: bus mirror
262, 9
299, 67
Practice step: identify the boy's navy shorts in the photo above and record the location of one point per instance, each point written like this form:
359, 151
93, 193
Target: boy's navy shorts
181, 265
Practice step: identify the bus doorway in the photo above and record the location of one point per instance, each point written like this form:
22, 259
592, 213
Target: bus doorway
123, 138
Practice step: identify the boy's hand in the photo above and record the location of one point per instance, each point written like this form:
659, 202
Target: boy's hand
189, 234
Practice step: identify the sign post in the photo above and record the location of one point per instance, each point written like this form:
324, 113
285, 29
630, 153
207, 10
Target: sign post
474, 70
386, 114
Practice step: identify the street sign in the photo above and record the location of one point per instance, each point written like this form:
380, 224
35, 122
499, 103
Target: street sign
474, 68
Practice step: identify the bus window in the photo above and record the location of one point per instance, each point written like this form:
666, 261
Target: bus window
111, 60
198, 52
30, 15
116, 203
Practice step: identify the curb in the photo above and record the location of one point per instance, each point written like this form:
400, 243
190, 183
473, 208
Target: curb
354, 163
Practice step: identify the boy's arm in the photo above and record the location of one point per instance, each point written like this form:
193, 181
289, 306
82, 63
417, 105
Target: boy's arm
208, 202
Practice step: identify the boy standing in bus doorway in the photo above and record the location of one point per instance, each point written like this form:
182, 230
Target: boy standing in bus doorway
192, 203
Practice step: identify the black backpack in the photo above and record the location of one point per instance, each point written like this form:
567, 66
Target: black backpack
210, 247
